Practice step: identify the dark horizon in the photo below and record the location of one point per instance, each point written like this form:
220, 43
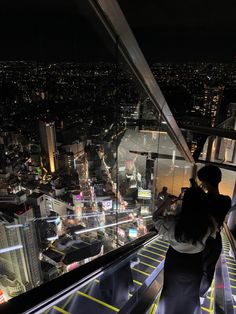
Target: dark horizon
60, 31
58, 61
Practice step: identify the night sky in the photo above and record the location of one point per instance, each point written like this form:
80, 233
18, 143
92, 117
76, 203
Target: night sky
190, 30
184, 30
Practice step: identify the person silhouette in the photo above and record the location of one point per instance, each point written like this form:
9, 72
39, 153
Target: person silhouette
218, 206
187, 234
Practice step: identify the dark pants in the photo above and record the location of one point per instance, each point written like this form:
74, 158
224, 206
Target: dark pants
210, 257
182, 278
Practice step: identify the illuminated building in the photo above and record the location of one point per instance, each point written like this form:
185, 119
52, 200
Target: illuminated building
49, 203
212, 100
19, 250
48, 144
66, 162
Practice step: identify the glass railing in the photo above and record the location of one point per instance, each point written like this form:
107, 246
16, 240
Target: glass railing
130, 282
86, 147
121, 287
114, 282
39, 250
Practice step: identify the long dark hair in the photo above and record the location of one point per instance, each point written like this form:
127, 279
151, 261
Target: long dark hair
194, 220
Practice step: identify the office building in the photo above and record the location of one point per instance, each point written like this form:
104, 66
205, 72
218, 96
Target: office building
48, 145
19, 259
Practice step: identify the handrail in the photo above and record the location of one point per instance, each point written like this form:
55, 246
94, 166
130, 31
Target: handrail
39, 297
231, 239
144, 297
223, 298
145, 294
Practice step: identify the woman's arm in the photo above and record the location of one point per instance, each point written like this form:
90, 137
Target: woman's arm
171, 199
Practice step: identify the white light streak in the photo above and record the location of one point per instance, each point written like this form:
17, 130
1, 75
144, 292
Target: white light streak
106, 226
52, 238
146, 217
173, 157
14, 226
11, 248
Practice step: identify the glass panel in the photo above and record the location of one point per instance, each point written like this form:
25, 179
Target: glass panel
173, 171
222, 151
83, 149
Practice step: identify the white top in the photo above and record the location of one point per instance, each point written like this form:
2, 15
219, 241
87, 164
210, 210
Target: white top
166, 229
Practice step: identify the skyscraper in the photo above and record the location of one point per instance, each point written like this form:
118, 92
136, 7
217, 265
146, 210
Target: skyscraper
48, 144
19, 260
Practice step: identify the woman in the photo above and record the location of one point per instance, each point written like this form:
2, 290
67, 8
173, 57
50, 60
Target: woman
187, 234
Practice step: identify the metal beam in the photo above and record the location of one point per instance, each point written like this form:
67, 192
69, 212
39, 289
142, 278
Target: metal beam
218, 164
156, 155
209, 131
115, 23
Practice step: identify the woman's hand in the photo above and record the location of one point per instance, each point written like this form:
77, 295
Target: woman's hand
171, 199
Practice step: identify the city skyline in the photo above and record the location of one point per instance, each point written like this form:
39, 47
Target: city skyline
58, 92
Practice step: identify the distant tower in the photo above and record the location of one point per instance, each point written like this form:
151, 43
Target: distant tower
212, 100
48, 144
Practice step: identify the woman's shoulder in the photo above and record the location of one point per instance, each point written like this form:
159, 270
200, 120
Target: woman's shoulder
222, 198
225, 200
220, 201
